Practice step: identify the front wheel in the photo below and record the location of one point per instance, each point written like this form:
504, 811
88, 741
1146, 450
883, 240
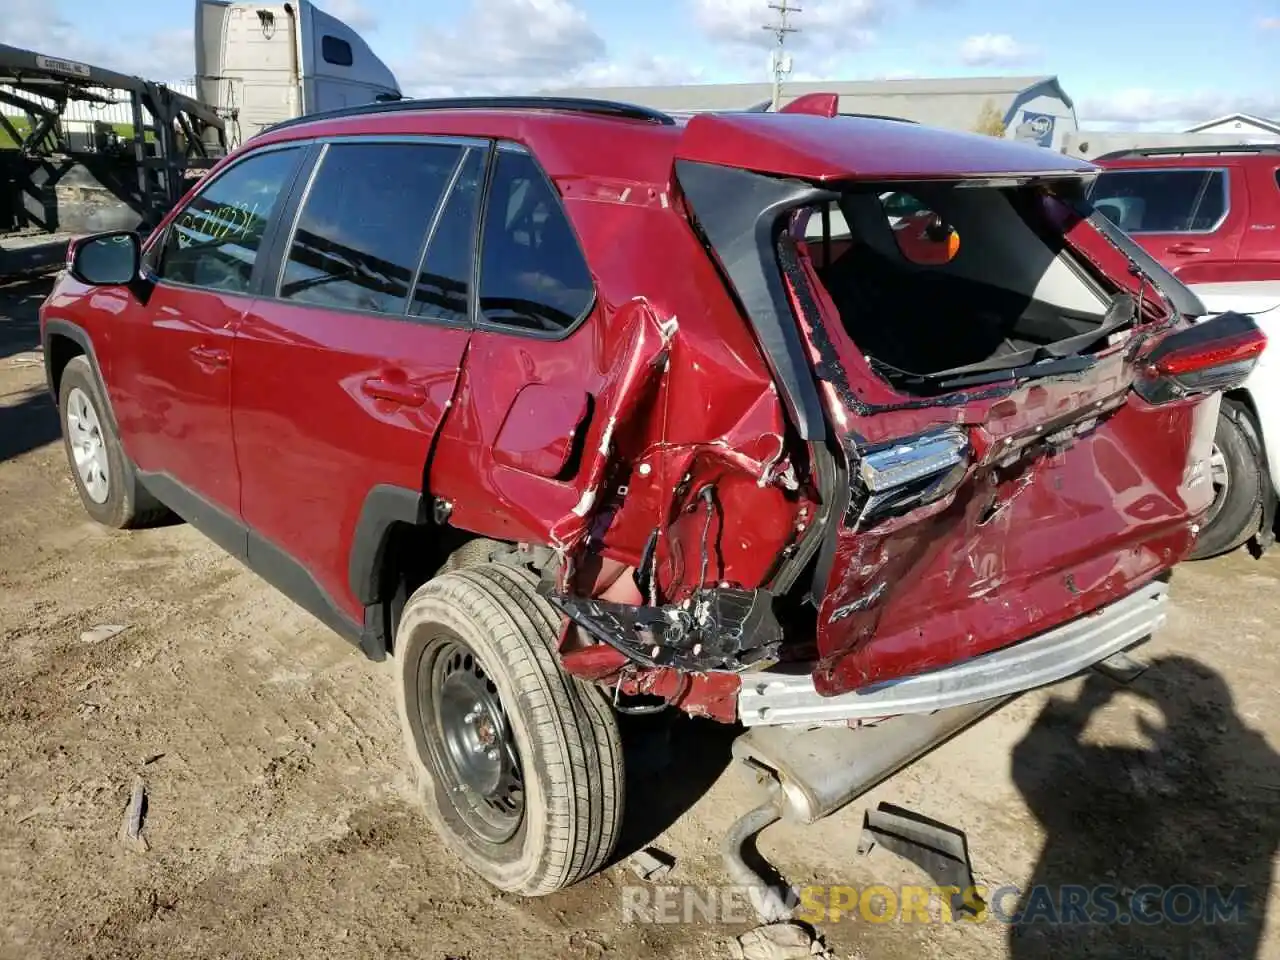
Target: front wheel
104, 477
519, 765
1238, 472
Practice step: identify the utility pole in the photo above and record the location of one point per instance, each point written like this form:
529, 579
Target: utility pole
780, 61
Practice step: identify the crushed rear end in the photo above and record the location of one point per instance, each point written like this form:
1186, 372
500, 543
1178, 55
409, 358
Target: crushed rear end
999, 445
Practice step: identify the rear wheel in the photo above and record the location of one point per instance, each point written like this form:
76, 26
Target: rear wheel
519, 765
1238, 476
103, 474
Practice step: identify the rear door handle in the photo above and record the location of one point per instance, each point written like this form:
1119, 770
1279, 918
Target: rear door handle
403, 392
1186, 247
211, 356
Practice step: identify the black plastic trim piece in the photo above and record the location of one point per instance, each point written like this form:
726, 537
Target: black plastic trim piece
603, 108
264, 558
385, 506
1184, 300
65, 328
741, 215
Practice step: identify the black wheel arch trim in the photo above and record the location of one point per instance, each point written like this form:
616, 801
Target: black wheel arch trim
384, 507
56, 327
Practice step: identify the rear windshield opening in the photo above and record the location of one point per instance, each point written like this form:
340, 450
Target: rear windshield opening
944, 286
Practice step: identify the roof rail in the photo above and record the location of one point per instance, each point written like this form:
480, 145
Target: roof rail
879, 116
603, 108
1199, 150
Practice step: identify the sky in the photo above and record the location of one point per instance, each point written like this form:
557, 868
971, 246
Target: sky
1126, 63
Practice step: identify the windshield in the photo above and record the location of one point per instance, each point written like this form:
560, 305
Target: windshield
1162, 200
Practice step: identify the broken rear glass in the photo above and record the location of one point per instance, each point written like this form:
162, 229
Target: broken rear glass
948, 285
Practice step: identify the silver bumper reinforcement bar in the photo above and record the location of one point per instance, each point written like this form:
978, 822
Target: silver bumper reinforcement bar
767, 699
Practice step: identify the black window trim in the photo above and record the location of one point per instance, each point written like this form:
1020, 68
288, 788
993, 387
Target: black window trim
280, 254
1226, 197
262, 259
508, 146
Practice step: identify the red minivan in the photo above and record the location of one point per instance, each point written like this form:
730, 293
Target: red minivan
572, 408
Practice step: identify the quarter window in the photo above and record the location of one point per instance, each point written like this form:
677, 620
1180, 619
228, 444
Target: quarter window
532, 274
360, 234
214, 241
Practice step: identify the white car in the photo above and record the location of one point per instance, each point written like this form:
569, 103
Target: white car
1246, 478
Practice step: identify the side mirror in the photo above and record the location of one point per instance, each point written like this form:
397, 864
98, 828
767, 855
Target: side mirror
105, 259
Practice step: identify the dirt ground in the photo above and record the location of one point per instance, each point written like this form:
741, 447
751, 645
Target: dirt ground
280, 821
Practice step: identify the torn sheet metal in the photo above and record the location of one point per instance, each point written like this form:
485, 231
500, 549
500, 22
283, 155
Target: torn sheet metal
716, 629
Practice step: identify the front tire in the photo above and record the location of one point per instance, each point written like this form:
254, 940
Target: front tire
1238, 477
519, 765
104, 476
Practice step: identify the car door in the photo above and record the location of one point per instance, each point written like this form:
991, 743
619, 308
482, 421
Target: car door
344, 371
1186, 217
173, 365
543, 374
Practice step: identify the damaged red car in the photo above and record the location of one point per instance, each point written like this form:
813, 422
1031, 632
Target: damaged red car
841, 428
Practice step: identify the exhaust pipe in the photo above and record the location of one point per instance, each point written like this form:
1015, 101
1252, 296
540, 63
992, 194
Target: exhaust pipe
821, 769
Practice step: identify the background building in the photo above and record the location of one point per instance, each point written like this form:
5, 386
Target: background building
1030, 108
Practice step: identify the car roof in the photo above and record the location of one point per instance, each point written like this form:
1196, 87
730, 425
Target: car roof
601, 139
1200, 155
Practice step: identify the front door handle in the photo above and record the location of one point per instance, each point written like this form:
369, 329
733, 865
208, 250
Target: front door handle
403, 392
1186, 247
211, 357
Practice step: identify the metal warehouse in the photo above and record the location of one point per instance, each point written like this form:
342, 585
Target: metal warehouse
1030, 108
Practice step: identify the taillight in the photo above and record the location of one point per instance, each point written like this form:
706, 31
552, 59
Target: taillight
1218, 354
906, 474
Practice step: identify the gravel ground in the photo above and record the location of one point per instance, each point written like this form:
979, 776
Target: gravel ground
280, 821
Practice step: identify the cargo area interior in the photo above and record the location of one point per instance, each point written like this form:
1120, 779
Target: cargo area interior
940, 283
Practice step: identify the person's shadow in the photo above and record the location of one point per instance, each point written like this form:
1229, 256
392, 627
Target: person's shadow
1178, 838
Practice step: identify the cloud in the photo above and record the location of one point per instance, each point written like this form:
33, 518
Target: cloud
505, 46
39, 25
1269, 23
994, 50
1152, 108
351, 12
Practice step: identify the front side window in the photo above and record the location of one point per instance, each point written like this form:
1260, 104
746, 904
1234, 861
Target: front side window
1163, 200
360, 233
214, 241
532, 275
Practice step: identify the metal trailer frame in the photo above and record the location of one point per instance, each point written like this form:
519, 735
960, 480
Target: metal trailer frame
161, 164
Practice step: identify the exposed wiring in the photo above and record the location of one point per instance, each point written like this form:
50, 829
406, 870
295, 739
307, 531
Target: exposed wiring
707, 493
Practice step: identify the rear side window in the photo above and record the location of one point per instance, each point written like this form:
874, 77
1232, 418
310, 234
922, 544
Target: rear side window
337, 51
360, 233
214, 241
1166, 200
444, 283
533, 275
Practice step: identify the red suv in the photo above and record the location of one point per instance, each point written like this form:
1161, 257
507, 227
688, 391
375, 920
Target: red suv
573, 408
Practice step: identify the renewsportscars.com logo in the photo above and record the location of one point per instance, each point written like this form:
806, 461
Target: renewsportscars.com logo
1067, 905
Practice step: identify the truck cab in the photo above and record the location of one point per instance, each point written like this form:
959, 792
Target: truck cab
264, 63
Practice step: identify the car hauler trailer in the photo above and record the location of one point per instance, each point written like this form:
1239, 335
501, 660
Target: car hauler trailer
256, 65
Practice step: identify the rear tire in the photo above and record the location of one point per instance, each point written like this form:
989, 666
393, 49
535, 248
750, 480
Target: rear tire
1239, 477
103, 474
524, 780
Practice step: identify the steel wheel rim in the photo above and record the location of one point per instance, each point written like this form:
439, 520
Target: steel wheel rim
88, 446
469, 739
1221, 479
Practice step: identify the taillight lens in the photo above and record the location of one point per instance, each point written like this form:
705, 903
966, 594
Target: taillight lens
1218, 354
